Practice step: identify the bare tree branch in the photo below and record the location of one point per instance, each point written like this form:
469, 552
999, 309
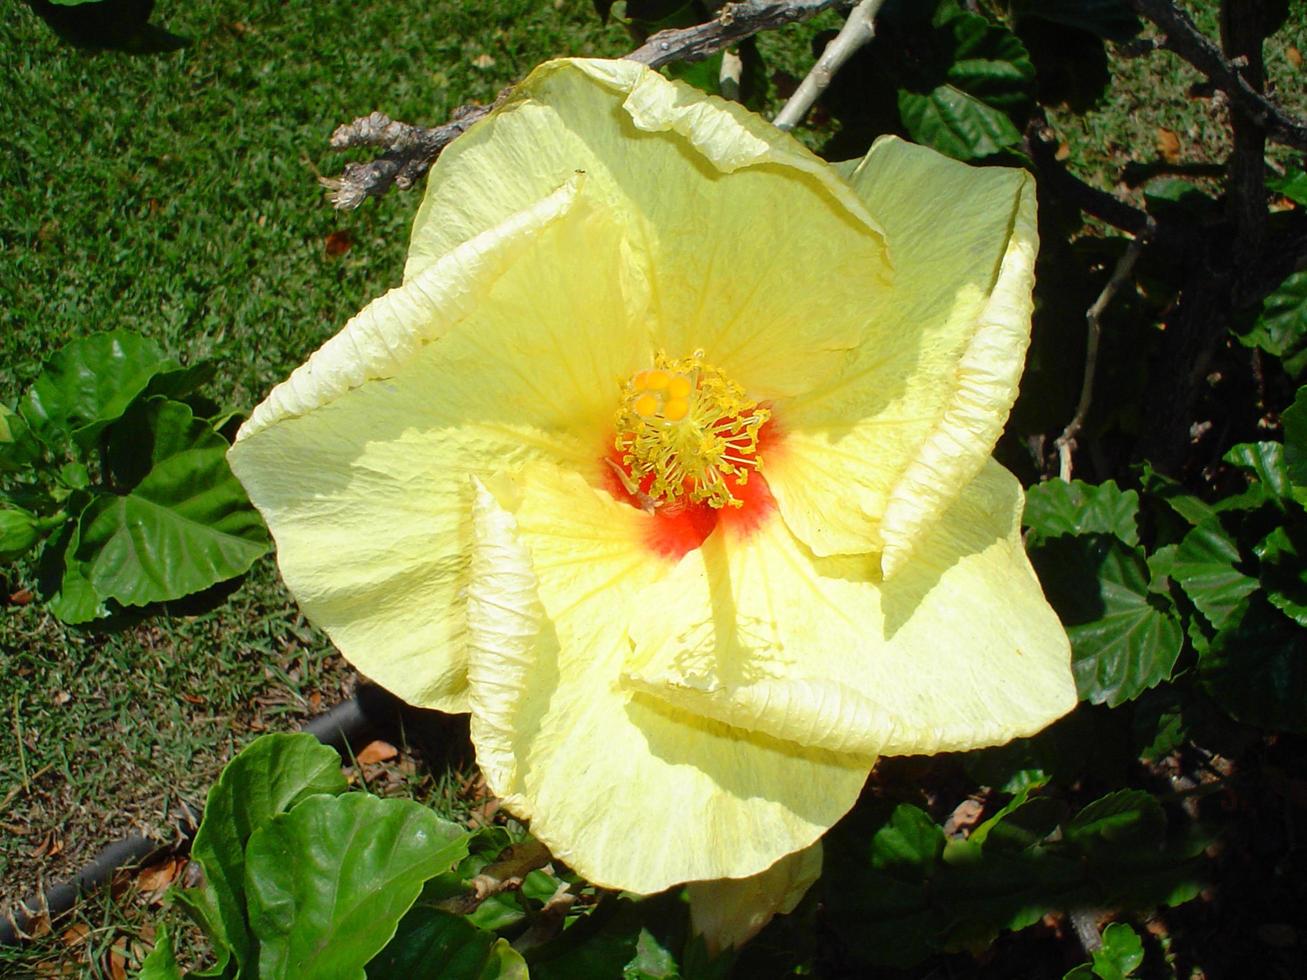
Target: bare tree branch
857, 31
410, 150
1185, 40
1066, 442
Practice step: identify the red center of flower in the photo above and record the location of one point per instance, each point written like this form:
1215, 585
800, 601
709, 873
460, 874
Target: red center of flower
681, 526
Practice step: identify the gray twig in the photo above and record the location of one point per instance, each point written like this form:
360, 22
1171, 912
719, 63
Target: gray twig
1066, 442
1185, 40
411, 150
858, 30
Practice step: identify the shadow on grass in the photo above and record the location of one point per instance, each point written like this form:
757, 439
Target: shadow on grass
108, 25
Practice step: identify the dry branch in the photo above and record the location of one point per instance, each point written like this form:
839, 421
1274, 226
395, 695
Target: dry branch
857, 31
1184, 39
410, 150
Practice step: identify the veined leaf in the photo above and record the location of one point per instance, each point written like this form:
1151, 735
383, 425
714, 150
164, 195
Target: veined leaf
1204, 567
1057, 507
1281, 326
185, 526
271, 775
89, 383
1124, 640
328, 882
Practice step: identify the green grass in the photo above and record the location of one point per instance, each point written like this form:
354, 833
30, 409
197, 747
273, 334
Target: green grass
174, 194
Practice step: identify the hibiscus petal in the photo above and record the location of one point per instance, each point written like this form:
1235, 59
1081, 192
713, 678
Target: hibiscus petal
507, 349
872, 459
729, 912
717, 204
627, 790
958, 651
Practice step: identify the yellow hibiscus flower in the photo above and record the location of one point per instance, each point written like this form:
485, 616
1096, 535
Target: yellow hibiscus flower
669, 461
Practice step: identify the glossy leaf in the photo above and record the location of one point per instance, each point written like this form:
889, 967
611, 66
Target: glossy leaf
18, 447
1283, 554
89, 383
1124, 640
328, 882
271, 775
1268, 474
1204, 567
957, 94
1121, 954
1119, 817
1057, 507
185, 526
428, 935
1295, 441
1281, 325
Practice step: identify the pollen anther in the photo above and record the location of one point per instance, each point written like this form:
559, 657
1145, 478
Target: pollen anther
688, 431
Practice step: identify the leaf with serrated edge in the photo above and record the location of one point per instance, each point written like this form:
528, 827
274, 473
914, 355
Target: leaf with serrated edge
1204, 567
1058, 507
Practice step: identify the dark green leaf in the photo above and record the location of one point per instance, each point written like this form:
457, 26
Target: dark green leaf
953, 122
18, 447
1283, 553
909, 843
1295, 441
1192, 509
328, 882
1057, 507
620, 937
1265, 465
271, 775
1293, 186
428, 935
1281, 326
1121, 817
90, 383
185, 526
18, 533
1257, 671
65, 580
1109, 19
1204, 567
1124, 640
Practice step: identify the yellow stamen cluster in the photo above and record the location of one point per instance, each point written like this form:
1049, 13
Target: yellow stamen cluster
691, 427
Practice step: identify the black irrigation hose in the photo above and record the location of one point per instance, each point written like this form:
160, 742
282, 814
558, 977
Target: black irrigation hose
349, 724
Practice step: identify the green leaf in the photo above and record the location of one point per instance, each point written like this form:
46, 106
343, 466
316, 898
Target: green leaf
960, 79
271, 775
1257, 671
161, 964
18, 533
328, 882
1265, 463
1120, 955
64, 580
1124, 640
909, 843
428, 935
1295, 440
1281, 325
1057, 507
18, 447
1111, 20
185, 526
1283, 554
955, 123
1123, 816
1293, 186
89, 383
1204, 567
